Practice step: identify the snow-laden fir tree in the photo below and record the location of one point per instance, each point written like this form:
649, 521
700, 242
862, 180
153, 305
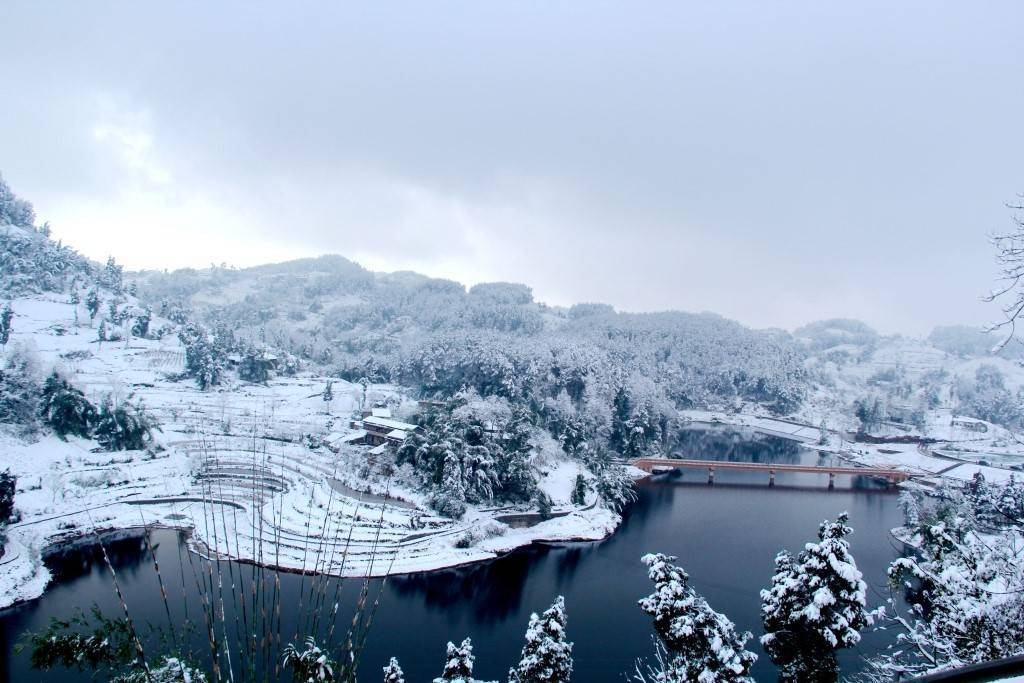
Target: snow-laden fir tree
204, 360
458, 663
328, 396
450, 499
697, 643
113, 275
393, 673
65, 409
19, 386
579, 491
74, 300
6, 318
547, 655
815, 606
8, 485
92, 303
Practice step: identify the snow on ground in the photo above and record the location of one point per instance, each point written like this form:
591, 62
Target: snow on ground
234, 467
928, 464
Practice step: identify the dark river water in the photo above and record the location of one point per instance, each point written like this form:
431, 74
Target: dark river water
726, 537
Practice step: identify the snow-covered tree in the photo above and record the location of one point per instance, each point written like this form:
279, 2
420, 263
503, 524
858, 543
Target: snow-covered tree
14, 210
255, 366
92, 303
579, 490
699, 643
113, 276
140, 326
7, 488
393, 673
204, 360
458, 663
65, 409
74, 300
547, 655
612, 482
815, 606
124, 427
964, 585
450, 499
19, 386
328, 396
6, 318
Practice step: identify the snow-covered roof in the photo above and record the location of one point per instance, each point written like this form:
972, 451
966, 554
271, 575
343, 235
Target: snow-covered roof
380, 412
387, 423
379, 450
345, 437
397, 434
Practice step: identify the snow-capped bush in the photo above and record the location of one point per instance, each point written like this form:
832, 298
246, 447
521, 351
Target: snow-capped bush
311, 664
964, 582
393, 672
124, 426
65, 409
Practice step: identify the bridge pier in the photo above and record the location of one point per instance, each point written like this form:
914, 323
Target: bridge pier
711, 476
771, 477
831, 480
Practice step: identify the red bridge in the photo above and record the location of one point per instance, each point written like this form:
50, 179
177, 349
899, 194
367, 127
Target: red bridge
661, 464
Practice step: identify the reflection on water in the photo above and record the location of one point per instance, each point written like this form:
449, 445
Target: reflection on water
713, 442
726, 537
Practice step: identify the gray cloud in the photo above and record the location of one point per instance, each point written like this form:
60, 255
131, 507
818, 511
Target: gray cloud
774, 163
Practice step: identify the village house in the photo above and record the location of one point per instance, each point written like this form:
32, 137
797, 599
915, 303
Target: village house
382, 429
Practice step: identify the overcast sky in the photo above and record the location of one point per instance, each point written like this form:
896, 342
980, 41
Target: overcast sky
772, 162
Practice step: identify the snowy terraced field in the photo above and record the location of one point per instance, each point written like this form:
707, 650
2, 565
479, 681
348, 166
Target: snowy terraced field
232, 467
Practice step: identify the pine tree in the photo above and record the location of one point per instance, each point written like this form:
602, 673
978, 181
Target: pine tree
74, 300
7, 489
19, 386
699, 643
328, 396
450, 500
113, 275
543, 504
203, 360
546, 656
393, 673
458, 663
815, 606
6, 316
66, 409
92, 303
579, 491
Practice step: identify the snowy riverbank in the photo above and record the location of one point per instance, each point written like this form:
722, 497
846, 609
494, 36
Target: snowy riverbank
234, 466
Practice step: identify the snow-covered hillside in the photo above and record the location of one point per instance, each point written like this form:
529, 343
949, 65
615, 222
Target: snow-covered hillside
255, 471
